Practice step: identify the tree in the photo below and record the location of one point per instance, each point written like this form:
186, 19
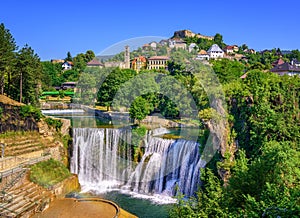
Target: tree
111, 85
218, 39
139, 109
228, 70
29, 69
69, 57
7, 59
89, 55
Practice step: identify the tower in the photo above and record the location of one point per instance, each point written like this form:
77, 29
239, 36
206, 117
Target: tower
127, 57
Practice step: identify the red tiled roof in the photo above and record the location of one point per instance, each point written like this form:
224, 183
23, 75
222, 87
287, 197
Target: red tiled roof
278, 62
229, 47
159, 58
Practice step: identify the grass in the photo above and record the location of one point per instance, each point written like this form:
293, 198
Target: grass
15, 135
48, 173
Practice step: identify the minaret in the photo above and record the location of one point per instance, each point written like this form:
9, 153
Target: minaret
127, 57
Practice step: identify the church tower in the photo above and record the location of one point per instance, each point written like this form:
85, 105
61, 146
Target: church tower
127, 57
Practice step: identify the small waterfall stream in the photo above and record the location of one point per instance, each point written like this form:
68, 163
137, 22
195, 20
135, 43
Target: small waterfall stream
102, 158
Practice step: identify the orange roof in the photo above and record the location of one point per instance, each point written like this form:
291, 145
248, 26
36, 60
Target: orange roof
202, 52
141, 58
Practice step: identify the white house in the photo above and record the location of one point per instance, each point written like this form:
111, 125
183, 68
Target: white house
215, 52
153, 45
192, 47
67, 65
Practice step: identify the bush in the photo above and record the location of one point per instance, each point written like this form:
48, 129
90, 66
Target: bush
30, 111
48, 173
57, 124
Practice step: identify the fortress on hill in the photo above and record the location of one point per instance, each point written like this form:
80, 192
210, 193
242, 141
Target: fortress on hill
188, 33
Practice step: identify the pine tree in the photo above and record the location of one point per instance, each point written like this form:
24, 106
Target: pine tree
7, 58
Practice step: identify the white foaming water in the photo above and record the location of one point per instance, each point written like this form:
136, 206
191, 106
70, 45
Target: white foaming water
159, 131
63, 111
102, 160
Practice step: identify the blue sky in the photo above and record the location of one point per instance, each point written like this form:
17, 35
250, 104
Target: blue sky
52, 28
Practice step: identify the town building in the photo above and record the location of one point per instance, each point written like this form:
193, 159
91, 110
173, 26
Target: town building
278, 62
95, 63
163, 42
193, 47
157, 62
67, 65
215, 52
286, 69
153, 45
229, 49
139, 63
295, 62
177, 43
202, 55
55, 61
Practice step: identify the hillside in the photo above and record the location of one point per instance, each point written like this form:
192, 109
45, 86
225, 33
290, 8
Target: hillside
6, 100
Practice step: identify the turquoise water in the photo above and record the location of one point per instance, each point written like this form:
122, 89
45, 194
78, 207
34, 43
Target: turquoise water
140, 207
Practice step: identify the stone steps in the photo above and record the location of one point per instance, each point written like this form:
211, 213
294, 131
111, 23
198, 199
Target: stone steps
27, 149
26, 199
23, 146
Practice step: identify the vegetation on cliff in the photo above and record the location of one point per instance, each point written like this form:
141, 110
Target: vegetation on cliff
48, 173
264, 179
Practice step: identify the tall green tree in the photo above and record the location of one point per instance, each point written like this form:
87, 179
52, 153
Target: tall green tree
69, 57
29, 69
7, 59
218, 39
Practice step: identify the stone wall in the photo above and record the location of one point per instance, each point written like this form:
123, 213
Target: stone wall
70, 184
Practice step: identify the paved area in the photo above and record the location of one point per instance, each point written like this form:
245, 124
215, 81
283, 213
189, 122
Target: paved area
70, 208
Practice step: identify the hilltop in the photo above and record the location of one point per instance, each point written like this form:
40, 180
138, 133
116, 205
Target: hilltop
189, 33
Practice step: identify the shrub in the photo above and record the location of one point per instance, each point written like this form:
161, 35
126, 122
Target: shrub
48, 173
57, 124
30, 111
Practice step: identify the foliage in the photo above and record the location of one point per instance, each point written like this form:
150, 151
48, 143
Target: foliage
227, 70
7, 59
265, 176
111, 85
139, 109
29, 68
30, 111
48, 173
55, 123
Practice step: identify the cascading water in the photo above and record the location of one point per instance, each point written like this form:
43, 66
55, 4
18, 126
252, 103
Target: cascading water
102, 158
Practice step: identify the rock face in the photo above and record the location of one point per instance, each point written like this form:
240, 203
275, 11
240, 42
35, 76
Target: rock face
11, 120
70, 184
188, 33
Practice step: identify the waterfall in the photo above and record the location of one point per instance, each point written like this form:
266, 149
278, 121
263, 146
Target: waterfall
102, 159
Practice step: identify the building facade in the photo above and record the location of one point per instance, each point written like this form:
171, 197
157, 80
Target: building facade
157, 62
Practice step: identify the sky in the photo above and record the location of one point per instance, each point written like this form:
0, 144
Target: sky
52, 28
